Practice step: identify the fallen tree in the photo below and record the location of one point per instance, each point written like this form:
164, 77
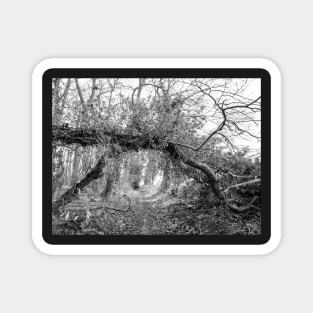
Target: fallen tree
84, 137
95, 173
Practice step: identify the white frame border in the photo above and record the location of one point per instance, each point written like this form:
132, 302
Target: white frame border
156, 249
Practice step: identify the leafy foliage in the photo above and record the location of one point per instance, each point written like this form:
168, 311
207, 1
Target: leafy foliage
189, 128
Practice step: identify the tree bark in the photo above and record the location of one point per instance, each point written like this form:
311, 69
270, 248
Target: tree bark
76, 162
174, 152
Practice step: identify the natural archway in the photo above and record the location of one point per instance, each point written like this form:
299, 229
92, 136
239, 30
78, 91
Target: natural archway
196, 127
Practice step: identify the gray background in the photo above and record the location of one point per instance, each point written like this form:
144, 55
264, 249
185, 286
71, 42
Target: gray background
35, 30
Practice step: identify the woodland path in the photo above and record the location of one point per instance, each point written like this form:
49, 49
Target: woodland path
148, 209
147, 215
152, 213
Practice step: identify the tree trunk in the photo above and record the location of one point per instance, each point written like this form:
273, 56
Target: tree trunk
76, 163
56, 179
209, 174
95, 173
174, 152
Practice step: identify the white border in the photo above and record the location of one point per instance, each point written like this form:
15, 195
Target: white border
155, 249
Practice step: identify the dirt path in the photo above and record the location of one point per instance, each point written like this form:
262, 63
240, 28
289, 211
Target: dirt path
151, 214
142, 208
146, 217
148, 209
142, 213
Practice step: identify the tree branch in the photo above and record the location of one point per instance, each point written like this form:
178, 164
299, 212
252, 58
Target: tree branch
250, 182
242, 208
219, 128
95, 173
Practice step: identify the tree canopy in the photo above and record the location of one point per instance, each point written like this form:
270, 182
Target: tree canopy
207, 128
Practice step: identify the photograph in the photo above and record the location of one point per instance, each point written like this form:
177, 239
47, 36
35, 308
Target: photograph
163, 156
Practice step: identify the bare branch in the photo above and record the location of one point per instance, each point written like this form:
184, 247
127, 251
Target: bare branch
251, 182
219, 128
247, 106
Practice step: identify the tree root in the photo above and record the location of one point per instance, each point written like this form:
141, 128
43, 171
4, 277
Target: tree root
242, 208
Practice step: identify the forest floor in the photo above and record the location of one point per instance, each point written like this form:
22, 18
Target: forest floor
146, 213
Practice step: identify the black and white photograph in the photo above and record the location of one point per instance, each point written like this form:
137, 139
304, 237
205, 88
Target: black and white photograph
156, 156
